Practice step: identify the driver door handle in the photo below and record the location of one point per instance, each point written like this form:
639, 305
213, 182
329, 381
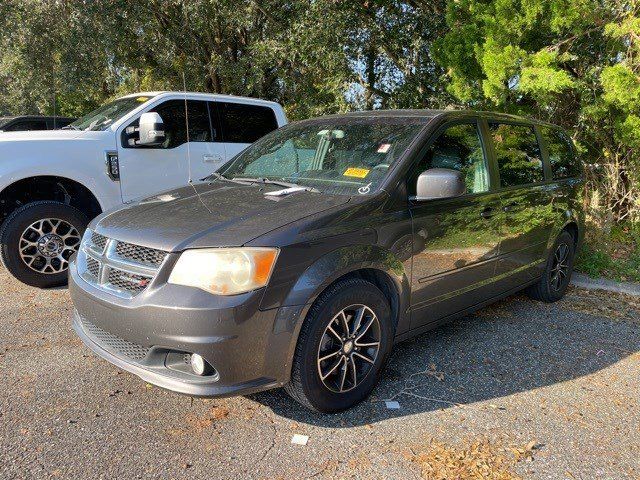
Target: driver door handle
208, 158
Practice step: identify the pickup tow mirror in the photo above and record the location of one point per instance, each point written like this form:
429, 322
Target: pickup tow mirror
151, 129
439, 183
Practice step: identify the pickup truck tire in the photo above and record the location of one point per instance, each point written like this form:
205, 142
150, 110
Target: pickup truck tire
37, 240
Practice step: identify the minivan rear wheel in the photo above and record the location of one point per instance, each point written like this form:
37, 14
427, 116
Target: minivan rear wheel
342, 347
38, 239
557, 275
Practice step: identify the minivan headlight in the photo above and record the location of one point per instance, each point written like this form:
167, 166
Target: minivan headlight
224, 271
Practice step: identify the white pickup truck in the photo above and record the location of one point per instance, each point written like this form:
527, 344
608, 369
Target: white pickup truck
53, 182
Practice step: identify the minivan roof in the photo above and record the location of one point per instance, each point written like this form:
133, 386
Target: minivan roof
429, 114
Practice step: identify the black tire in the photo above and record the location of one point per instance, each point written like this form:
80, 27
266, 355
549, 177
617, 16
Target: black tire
11, 236
306, 385
547, 289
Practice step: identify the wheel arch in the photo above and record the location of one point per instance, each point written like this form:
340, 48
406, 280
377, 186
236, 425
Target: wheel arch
48, 187
372, 263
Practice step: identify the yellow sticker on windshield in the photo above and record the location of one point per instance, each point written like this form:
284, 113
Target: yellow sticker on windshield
356, 172
142, 99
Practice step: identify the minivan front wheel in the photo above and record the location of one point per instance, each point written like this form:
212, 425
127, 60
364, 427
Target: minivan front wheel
557, 275
38, 239
342, 347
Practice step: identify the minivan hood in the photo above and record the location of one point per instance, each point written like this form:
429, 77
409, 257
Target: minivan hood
215, 214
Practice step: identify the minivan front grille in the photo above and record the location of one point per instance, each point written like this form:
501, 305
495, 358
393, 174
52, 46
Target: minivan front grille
136, 253
121, 268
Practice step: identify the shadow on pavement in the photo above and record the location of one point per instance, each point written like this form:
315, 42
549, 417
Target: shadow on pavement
514, 346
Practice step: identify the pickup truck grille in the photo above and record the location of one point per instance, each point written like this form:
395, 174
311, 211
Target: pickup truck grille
121, 268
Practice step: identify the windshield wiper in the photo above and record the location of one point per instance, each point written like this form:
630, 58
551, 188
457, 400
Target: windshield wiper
70, 127
280, 183
219, 176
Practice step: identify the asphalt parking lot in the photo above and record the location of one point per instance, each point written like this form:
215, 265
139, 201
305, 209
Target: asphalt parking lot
519, 390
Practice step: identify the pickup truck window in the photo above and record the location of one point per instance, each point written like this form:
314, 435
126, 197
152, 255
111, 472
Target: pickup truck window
175, 122
242, 123
102, 118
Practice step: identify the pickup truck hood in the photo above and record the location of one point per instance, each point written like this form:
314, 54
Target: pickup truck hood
49, 135
215, 214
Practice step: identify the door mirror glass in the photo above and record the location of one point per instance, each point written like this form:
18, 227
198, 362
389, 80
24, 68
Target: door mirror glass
440, 183
151, 129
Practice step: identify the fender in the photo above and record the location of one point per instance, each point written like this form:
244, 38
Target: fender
81, 159
569, 215
322, 273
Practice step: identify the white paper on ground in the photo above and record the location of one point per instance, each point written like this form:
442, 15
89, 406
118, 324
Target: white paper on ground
299, 439
392, 405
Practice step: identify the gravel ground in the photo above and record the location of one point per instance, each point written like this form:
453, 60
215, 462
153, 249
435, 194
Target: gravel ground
519, 390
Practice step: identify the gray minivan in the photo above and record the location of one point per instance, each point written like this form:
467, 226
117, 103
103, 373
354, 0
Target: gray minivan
306, 257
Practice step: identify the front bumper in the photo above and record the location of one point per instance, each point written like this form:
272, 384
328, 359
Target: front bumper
145, 335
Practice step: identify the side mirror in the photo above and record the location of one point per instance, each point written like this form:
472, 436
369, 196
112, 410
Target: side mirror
439, 183
151, 129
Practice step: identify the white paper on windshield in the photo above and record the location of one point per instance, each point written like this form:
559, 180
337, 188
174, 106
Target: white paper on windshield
286, 191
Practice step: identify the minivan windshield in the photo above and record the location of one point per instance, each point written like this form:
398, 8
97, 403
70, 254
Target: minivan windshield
102, 117
344, 156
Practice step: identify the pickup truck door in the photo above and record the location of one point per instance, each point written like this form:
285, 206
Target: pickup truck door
190, 149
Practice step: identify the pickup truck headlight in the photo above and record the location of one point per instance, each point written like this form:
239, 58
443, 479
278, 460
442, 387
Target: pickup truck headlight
225, 271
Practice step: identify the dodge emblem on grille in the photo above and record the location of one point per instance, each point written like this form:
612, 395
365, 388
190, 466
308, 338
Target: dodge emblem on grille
140, 282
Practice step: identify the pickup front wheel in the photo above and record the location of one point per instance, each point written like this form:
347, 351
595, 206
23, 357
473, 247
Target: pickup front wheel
37, 241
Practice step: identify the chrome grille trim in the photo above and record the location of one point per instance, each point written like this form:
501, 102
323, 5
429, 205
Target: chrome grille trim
105, 269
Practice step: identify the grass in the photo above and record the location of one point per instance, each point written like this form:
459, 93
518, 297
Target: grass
614, 255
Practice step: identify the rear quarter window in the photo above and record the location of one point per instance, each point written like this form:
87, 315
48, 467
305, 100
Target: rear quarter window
562, 157
242, 123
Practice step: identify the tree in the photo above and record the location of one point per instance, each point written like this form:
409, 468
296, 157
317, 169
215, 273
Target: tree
574, 63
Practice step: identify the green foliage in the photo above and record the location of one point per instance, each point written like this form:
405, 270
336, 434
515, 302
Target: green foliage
614, 255
572, 62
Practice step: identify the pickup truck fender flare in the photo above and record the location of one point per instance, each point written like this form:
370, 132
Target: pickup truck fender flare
105, 199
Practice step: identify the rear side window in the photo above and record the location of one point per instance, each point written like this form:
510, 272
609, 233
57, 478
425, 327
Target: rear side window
517, 153
564, 163
243, 123
175, 122
457, 148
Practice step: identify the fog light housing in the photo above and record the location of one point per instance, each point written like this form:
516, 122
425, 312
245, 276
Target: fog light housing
199, 365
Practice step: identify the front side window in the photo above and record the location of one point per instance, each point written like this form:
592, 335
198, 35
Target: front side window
457, 148
175, 115
343, 157
518, 154
103, 117
564, 163
242, 123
